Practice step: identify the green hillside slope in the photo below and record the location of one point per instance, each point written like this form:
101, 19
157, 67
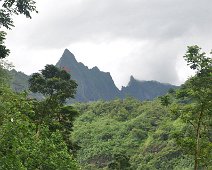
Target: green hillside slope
128, 134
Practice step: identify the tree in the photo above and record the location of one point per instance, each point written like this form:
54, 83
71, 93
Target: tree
57, 86
8, 9
196, 107
165, 100
20, 147
3, 50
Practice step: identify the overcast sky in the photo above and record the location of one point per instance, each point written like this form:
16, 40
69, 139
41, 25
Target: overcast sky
143, 38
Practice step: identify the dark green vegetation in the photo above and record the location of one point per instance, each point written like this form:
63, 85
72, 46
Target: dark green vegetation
94, 84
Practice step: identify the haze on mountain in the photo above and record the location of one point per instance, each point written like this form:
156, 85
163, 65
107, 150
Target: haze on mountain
146, 39
94, 84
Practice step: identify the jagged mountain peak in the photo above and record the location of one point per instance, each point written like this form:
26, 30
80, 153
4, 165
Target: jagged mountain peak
67, 57
93, 84
132, 78
66, 51
95, 68
145, 90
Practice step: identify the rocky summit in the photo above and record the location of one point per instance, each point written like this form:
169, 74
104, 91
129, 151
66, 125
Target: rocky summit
93, 84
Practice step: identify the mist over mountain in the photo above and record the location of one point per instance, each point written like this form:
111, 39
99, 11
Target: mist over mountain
19, 80
94, 84
145, 90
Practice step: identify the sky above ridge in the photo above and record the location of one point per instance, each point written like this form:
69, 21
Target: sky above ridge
143, 38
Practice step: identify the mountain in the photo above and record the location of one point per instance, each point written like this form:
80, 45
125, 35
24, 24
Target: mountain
19, 80
145, 90
94, 84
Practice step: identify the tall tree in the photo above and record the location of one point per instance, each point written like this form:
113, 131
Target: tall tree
57, 86
196, 108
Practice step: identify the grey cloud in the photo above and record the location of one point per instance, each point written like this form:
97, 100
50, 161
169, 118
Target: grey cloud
166, 26
153, 64
102, 20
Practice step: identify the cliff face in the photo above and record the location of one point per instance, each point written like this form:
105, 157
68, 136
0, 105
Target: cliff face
93, 84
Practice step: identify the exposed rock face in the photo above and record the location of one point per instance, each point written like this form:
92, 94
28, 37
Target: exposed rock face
94, 84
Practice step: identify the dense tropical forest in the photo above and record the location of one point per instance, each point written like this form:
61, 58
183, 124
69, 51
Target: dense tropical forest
170, 132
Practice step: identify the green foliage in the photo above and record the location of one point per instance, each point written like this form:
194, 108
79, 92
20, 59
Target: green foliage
119, 162
56, 85
30, 139
53, 83
141, 132
21, 146
165, 100
195, 109
35, 134
9, 8
3, 50
198, 60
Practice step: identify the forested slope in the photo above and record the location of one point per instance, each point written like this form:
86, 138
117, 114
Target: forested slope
128, 134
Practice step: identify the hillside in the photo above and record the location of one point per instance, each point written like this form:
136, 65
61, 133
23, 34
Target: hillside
19, 80
129, 134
